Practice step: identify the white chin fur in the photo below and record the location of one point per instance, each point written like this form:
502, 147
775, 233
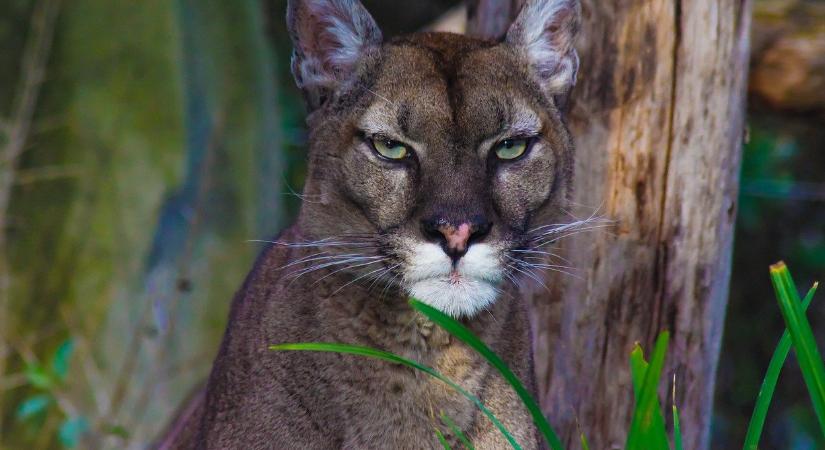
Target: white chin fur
427, 277
463, 299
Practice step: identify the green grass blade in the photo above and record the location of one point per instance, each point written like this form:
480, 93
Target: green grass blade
393, 358
441, 439
643, 433
763, 399
677, 428
638, 371
582, 437
457, 431
808, 356
677, 431
585, 446
462, 333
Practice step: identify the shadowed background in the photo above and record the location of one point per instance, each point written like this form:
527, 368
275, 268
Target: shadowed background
143, 145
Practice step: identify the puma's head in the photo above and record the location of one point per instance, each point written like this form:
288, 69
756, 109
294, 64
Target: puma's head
440, 159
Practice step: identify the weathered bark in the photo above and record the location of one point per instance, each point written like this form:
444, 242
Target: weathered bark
658, 118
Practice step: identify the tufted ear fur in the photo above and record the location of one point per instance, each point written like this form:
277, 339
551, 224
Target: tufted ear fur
329, 37
545, 32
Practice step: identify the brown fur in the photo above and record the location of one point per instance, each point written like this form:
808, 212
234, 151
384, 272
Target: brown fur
448, 96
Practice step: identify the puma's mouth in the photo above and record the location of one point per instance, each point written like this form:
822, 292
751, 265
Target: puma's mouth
459, 289
457, 299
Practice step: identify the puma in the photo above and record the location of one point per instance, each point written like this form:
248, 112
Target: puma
440, 167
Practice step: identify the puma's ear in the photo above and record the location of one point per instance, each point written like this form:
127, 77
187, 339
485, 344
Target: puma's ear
329, 37
545, 33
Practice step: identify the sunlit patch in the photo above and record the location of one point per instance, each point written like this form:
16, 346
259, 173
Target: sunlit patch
460, 291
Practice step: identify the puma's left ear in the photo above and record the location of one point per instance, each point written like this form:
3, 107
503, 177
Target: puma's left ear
329, 37
545, 32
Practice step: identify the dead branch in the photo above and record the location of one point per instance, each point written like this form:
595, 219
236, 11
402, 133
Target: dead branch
47, 173
16, 129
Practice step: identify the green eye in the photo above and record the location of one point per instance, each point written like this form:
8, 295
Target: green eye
511, 148
390, 149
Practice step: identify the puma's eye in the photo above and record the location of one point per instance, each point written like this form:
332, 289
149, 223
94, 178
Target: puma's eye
511, 148
390, 149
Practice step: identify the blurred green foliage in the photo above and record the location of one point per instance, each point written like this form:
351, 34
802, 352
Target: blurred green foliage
156, 152
781, 216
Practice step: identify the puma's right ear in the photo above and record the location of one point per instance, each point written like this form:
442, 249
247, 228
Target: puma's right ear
545, 32
329, 37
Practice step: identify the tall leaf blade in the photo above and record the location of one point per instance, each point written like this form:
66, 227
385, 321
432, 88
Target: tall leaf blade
457, 431
677, 430
583, 438
677, 427
638, 370
465, 335
643, 434
393, 358
442, 440
763, 399
808, 355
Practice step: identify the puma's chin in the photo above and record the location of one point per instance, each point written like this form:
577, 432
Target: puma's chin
460, 290
463, 298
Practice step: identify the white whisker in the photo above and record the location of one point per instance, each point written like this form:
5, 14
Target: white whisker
546, 239
356, 279
355, 266
314, 244
529, 274
316, 267
381, 97
378, 278
551, 267
545, 254
318, 257
575, 227
390, 282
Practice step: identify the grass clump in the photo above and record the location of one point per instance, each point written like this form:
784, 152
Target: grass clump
647, 429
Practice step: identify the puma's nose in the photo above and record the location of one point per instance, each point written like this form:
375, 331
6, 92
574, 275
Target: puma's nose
455, 239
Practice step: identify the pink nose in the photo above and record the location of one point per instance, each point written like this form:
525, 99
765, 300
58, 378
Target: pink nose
457, 237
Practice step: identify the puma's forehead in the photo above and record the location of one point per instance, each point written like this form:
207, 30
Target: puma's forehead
438, 83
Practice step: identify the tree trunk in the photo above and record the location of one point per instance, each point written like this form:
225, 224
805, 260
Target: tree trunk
658, 117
